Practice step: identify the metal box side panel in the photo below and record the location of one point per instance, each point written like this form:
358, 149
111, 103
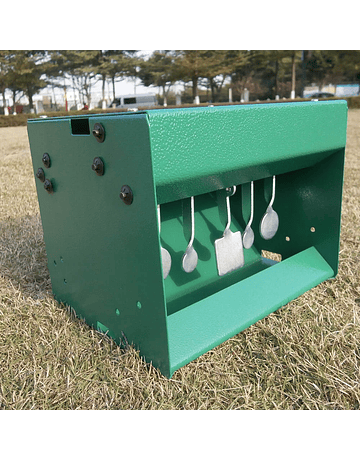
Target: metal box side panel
103, 255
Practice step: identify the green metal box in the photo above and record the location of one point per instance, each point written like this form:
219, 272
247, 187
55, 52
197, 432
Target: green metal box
101, 180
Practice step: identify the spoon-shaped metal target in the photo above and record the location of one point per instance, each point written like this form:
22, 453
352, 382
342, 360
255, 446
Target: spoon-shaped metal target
248, 235
229, 248
190, 257
165, 256
270, 222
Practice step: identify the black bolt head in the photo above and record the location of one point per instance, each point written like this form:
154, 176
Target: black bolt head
99, 132
40, 175
46, 160
48, 186
126, 194
98, 166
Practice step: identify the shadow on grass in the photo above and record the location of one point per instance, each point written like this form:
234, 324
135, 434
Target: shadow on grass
23, 258
24, 263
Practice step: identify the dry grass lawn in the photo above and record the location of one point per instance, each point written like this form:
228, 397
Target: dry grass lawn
304, 356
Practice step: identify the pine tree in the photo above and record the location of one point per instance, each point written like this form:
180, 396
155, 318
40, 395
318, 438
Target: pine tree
26, 73
191, 65
4, 71
159, 70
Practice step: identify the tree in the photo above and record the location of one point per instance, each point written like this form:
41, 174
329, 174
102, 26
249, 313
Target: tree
84, 68
346, 66
159, 70
319, 66
273, 60
104, 69
190, 65
4, 71
275, 70
243, 70
56, 68
81, 66
287, 67
117, 65
25, 73
216, 66
232, 63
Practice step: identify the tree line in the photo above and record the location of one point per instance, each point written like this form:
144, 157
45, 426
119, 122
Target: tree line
268, 73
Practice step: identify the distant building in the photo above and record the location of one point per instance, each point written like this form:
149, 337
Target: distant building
346, 90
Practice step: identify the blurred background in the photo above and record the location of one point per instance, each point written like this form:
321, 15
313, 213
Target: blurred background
42, 81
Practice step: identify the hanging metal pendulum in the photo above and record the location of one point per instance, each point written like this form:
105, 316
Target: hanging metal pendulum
248, 235
190, 257
229, 248
270, 222
165, 256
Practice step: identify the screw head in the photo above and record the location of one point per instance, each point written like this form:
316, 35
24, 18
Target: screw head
46, 160
98, 166
99, 132
40, 174
126, 194
48, 186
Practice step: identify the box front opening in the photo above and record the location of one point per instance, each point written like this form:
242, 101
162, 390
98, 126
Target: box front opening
307, 203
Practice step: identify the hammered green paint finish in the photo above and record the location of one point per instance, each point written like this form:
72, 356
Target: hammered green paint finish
104, 256
199, 150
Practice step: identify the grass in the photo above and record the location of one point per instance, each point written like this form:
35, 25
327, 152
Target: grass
304, 356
